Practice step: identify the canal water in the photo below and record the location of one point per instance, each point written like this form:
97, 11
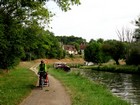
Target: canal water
126, 86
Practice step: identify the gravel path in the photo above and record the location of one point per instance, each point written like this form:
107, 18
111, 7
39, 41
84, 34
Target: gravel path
55, 94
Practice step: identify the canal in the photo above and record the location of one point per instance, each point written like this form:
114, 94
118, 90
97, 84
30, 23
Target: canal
126, 86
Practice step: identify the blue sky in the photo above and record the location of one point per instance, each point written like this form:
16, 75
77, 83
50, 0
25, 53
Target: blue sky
95, 19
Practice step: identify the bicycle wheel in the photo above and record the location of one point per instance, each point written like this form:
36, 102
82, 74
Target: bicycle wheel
42, 82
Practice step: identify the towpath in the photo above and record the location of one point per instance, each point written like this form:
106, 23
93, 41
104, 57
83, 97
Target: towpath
55, 94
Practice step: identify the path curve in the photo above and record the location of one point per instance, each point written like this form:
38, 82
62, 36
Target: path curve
55, 94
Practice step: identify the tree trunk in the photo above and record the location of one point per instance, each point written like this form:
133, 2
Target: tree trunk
117, 62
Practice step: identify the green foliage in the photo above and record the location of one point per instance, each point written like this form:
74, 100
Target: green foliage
40, 44
16, 85
115, 49
21, 33
85, 92
100, 40
116, 68
71, 40
25, 11
94, 52
133, 54
65, 4
54, 49
11, 44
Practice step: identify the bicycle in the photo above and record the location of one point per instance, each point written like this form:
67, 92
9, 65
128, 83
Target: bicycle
41, 79
42, 83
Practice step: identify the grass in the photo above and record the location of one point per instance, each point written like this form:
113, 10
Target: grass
115, 68
86, 92
16, 85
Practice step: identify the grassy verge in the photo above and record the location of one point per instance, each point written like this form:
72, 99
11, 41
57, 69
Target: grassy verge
115, 68
16, 85
85, 92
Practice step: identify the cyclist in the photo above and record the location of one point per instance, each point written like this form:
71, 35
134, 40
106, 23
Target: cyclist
42, 72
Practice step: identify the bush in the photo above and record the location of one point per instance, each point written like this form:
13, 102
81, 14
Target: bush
108, 68
133, 56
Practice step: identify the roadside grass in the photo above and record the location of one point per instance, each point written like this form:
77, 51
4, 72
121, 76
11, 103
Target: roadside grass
16, 85
86, 92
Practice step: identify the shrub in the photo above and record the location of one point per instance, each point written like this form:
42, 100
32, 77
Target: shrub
133, 56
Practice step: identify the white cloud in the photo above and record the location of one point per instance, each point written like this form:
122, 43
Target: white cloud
95, 18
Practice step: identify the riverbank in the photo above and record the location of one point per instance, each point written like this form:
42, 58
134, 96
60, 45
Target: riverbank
86, 92
129, 69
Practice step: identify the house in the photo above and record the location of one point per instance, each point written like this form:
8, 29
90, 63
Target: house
82, 47
70, 49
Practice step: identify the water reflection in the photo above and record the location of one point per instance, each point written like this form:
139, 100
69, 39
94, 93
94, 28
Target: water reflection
126, 86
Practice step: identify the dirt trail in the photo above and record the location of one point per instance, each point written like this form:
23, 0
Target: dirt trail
55, 94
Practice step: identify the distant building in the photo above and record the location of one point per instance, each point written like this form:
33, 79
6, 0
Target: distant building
70, 49
82, 47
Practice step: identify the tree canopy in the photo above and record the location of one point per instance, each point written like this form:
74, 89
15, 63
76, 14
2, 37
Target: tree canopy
21, 30
115, 49
70, 39
101, 51
92, 52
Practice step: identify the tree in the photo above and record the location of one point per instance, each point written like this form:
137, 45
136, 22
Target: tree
33, 39
92, 40
92, 53
125, 35
137, 31
133, 54
70, 39
40, 44
17, 15
115, 49
55, 49
100, 40
11, 46
25, 11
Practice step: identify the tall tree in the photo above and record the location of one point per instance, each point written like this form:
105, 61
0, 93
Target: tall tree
133, 54
115, 49
125, 35
92, 52
11, 46
16, 14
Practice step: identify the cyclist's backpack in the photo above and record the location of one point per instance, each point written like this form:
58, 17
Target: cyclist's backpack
42, 67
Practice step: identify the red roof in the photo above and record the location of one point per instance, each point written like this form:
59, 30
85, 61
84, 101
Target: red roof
82, 46
69, 47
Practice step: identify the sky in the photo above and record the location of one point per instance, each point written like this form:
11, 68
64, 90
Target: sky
95, 19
